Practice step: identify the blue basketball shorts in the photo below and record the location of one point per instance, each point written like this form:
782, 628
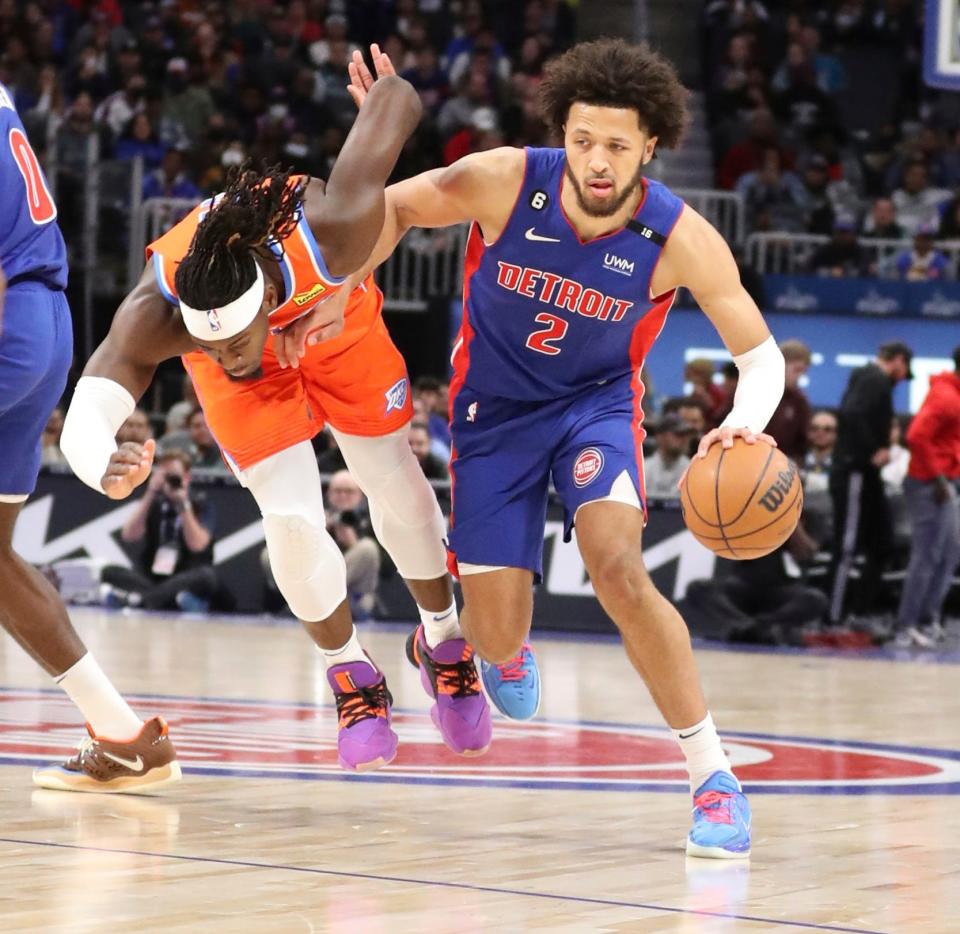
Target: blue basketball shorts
505, 453
36, 347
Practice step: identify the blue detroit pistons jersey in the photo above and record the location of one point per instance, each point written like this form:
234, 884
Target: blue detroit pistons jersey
548, 315
31, 245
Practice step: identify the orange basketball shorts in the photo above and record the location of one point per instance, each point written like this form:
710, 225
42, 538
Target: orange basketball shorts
361, 390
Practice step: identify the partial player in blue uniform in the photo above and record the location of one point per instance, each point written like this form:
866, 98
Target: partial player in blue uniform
573, 260
36, 346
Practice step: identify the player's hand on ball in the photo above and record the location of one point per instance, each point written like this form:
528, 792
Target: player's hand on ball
725, 436
129, 466
361, 80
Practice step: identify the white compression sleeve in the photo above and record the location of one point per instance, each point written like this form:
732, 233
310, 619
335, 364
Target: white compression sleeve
99, 407
759, 387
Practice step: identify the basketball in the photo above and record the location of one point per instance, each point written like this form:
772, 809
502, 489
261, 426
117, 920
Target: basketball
742, 502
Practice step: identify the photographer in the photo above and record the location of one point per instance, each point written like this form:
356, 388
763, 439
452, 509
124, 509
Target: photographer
176, 528
349, 525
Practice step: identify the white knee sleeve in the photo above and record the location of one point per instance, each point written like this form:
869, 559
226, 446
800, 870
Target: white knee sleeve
307, 565
306, 562
403, 507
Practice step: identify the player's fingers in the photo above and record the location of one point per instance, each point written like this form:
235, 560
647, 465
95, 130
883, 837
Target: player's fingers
762, 436
708, 439
355, 94
363, 71
726, 437
385, 67
123, 457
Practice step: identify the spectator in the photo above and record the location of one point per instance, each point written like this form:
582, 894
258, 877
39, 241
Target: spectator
429, 79
816, 466
136, 428
187, 105
772, 197
748, 156
180, 412
482, 134
818, 206
175, 526
664, 468
331, 460
693, 412
139, 139
433, 394
950, 221
116, 111
334, 30
924, 262
203, 448
170, 180
916, 202
933, 504
842, 255
700, 373
50, 453
790, 422
473, 91
802, 105
861, 513
349, 525
881, 222
433, 468
894, 470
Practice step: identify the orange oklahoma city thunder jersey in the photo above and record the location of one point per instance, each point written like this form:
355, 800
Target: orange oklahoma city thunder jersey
306, 281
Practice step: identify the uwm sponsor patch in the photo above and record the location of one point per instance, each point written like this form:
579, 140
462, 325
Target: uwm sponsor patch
299, 741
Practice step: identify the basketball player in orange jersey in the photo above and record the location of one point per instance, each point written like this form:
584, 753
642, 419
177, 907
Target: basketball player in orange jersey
573, 261
266, 251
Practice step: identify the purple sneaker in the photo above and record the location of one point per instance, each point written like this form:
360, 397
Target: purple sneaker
461, 712
365, 740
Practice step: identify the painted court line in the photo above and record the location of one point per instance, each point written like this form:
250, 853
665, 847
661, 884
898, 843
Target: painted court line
462, 886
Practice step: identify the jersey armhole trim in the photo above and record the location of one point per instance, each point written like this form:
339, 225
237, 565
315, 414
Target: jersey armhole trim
516, 201
162, 280
653, 272
313, 246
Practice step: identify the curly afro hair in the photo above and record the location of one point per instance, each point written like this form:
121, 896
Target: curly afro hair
615, 73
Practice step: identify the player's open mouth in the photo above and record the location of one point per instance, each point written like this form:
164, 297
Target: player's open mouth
600, 187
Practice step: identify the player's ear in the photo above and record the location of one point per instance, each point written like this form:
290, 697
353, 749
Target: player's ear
649, 148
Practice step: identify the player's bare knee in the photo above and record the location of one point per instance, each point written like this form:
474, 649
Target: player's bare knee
622, 580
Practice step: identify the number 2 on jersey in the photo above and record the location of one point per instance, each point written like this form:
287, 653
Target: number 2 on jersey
41, 206
542, 341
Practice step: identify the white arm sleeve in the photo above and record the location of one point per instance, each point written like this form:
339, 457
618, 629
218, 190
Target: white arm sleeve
99, 407
759, 388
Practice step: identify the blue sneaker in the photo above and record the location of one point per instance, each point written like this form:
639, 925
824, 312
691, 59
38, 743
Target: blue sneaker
721, 820
514, 686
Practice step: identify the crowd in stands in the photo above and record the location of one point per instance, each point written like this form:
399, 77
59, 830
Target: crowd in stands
194, 88
791, 135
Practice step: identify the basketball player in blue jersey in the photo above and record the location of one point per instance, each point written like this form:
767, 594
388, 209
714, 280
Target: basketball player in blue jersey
36, 346
573, 261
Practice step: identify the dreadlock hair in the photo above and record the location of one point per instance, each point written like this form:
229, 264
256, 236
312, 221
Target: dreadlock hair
615, 73
255, 210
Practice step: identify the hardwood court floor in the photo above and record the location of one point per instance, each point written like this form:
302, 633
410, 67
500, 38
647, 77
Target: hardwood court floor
571, 823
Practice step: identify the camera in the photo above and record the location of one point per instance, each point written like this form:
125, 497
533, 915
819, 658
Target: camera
173, 480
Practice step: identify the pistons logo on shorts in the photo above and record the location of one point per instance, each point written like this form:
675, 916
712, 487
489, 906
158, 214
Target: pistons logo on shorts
587, 466
397, 395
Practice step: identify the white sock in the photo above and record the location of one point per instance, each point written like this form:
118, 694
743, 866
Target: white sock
108, 714
701, 747
350, 651
440, 627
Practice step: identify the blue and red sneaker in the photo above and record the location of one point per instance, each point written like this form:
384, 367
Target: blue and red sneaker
514, 686
721, 819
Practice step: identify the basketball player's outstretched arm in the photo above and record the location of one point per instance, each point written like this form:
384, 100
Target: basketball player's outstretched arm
348, 219
697, 257
144, 332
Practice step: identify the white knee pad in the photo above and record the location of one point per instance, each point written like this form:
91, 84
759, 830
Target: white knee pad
403, 508
307, 565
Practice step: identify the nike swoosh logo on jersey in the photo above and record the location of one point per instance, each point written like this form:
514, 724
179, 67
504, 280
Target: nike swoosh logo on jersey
530, 235
135, 765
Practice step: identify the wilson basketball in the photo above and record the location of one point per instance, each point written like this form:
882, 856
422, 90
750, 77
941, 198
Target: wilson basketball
742, 502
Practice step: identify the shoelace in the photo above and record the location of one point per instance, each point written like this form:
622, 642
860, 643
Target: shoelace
715, 806
513, 670
458, 679
363, 704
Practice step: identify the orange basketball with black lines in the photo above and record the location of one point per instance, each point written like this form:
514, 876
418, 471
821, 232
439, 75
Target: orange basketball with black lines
742, 502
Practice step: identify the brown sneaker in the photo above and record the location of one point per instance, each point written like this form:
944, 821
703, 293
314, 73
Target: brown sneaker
105, 765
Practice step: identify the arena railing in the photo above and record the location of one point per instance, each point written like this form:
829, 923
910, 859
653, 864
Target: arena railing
791, 253
428, 264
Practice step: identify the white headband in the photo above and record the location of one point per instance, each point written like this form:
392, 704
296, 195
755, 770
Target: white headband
217, 324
